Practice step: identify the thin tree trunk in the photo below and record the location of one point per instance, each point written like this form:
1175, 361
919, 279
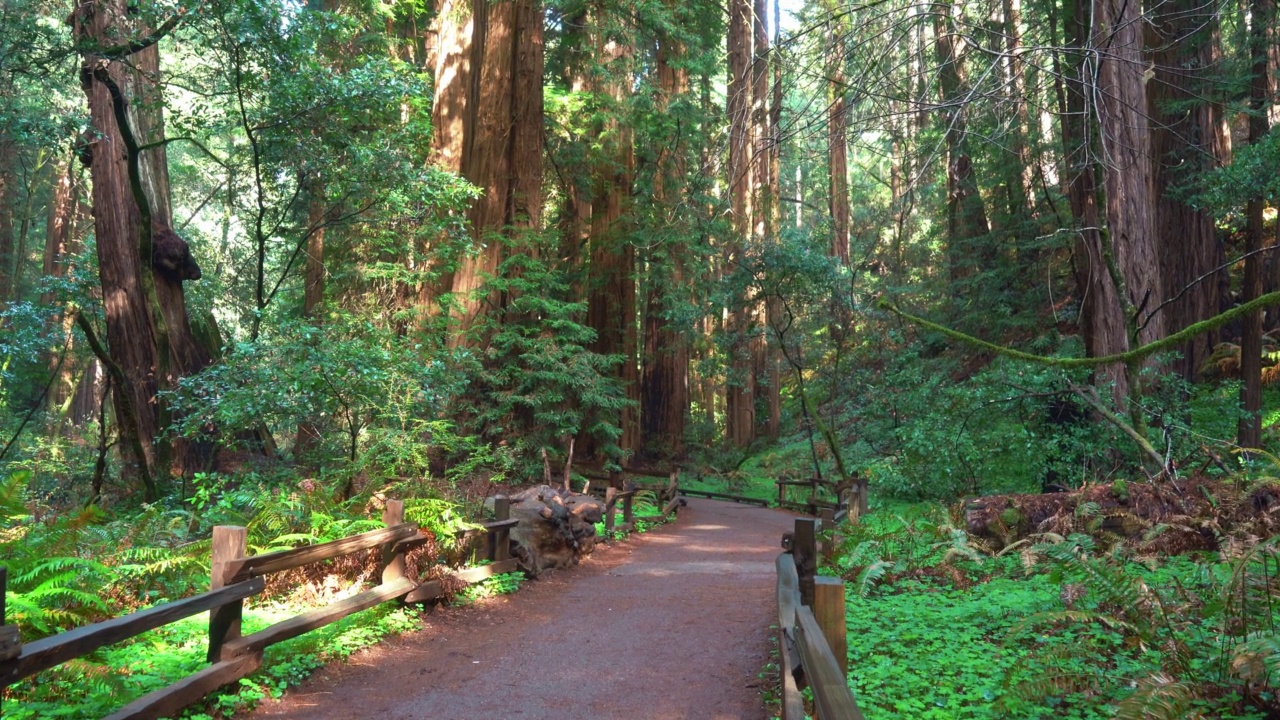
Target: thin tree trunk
837, 143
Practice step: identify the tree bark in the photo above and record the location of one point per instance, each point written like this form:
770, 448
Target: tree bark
740, 425
1186, 136
1101, 319
611, 294
489, 54
664, 386
60, 244
837, 143
969, 249
148, 333
1249, 427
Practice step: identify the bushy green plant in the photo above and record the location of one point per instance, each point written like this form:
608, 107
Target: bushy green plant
501, 584
345, 380
534, 382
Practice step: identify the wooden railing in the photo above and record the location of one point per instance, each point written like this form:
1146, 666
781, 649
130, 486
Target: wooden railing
235, 576
812, 644
849, 498
668, 498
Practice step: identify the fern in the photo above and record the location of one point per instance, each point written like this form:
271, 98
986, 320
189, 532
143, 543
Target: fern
871, 576
1257, 660
12, 489
1158, 697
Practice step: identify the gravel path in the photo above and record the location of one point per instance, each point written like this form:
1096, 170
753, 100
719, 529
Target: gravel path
670, 625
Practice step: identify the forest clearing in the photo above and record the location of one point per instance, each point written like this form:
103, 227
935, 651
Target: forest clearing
315, 317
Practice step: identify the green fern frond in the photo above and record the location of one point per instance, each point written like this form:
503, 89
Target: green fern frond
1257, 660
1082, 617
12, 489
871, 576
1158, 697
1086, 510
1055, 682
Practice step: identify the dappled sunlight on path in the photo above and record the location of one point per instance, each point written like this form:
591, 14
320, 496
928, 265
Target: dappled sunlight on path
670, 625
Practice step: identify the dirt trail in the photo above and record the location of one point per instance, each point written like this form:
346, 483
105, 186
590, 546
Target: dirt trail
671, 625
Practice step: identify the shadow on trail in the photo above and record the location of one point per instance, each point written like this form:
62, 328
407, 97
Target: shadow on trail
670, 625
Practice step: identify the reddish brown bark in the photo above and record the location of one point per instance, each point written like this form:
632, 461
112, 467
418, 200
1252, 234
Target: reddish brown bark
1249, 427
1186, 135
60, 244
664, 390
148, 333
969, 250
611, 295
1102, 322
740, 425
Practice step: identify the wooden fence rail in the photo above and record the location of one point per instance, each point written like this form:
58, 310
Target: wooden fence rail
812, 644
236, 576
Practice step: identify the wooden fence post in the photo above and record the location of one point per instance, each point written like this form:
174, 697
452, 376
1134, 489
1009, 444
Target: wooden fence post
828, 609
804, 549
610, 504
392, 562
10, 640
828, 525
10, 636
628, 515
782, 493
230, 543
500, 549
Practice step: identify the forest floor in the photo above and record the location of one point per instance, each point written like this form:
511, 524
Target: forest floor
672, 624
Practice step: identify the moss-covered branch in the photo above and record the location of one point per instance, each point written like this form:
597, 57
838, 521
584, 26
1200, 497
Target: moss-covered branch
1137, 354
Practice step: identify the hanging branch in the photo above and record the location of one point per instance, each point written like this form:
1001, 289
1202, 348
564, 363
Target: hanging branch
119, 52
1136, 354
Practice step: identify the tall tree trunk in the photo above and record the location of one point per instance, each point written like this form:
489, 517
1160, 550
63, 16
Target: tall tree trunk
837, 142
60, 244
1102, 322
488, 52
1127, 178
740, 392
969, 248
487, 164
1249, 428
148, 333
611, 296
1186, 136
308, 435
665, 374
763, 356
8, 198
1021, 180
773, 218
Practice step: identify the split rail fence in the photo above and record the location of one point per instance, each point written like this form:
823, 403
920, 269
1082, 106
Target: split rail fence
812, 642
236, 576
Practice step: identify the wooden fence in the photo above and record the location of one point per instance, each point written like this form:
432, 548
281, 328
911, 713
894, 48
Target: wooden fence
812, 644
236, 576
851, 498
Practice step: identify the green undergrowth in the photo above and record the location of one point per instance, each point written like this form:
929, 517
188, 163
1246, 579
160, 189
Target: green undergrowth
116, 675
942, 627
501, 584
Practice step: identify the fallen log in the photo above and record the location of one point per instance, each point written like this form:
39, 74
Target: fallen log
556, 528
